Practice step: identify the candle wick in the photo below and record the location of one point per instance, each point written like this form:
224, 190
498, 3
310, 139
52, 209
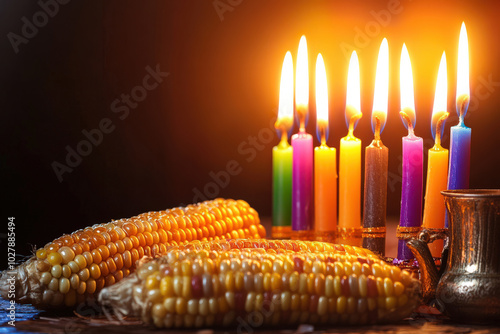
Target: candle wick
322, 133
283, 125
439, 129
407, 121
377, 128
302, 113
463, 102
284, 136
352, 121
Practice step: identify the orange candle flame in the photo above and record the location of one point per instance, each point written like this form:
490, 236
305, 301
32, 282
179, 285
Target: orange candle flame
321, 100
302, 83
440, 100
285, 110
463, 89
381, 89
406, 83
353, 100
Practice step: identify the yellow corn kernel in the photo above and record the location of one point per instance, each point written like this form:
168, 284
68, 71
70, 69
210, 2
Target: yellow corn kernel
180, 305
310, 283
402, 300
293, 282
388, 287
337, 286
266, 282
341, 304
54, 258
390, 302
275, 282
399, 288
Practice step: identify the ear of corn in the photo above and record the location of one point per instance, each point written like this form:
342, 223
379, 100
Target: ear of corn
254, 283
75, 267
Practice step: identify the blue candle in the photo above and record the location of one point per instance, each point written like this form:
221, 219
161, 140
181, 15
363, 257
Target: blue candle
458, 173
460, 135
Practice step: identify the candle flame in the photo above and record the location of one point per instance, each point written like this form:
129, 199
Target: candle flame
463, 89
285, 111
302, 76
321, 99
381, 87
441, 97
406, 84
353, 103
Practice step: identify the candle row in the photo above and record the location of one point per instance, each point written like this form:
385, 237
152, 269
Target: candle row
305, 180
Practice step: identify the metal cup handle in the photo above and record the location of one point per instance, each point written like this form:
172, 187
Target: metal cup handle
429, 235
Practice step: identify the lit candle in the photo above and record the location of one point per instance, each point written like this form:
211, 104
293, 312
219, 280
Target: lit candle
350, 162
437, 165
460, 135
282, 156
325, 165
302, 143
410, 218
376, 161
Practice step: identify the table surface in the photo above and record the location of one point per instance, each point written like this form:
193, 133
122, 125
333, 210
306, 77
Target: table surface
424, 320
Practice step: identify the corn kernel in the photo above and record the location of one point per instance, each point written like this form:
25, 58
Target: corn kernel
275, 282
399, 288
341, 304
388, 287
54, 258
41, 254
56, 271
390, 303
402, 300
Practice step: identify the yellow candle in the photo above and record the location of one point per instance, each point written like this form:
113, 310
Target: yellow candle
437, 169
325, 165
350, 182
350, 161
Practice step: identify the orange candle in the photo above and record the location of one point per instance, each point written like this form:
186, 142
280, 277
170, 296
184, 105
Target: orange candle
437, 168
325, 165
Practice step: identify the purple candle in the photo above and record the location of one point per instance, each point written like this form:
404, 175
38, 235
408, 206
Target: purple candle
411, 192
302, 162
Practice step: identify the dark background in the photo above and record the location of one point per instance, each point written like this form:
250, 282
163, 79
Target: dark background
222, 90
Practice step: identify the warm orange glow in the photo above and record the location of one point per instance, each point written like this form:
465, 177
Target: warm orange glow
406, 82
381, 86
302, 76
441, 97
353, 103
463, 89
286, 89
321, 91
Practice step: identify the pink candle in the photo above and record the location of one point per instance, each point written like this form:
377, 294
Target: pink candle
302, 182
302, 144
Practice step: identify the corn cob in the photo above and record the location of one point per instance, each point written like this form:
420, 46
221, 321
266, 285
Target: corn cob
254, 283
75, 267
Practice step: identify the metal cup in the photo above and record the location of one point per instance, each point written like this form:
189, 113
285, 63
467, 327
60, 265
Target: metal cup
469, 289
